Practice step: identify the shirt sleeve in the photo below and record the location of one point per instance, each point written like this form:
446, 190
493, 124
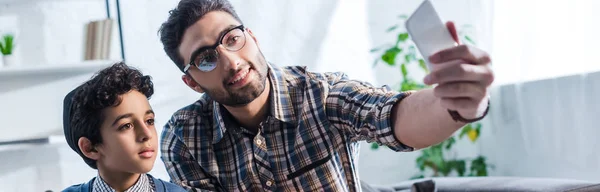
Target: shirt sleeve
362, 111
182, 168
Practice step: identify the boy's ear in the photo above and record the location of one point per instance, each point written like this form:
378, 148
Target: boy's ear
191, 83
86, 147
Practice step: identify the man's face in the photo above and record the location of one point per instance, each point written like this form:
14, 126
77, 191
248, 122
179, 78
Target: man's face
129, 140
239, 76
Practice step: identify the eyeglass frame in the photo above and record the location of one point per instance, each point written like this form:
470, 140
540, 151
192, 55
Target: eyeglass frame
214, 47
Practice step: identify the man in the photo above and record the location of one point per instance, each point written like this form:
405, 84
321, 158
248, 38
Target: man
259, 127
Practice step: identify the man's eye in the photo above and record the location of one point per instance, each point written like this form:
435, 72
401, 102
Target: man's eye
233, 40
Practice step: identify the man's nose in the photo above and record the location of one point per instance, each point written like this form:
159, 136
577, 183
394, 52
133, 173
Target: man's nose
229, 60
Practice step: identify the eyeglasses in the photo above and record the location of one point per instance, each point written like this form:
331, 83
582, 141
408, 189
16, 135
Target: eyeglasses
205, 59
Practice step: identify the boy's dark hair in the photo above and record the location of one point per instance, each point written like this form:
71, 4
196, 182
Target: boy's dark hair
83, 115
186, 14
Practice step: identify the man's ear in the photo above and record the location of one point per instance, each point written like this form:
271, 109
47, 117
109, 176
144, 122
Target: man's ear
252, 35
86, 147
191, 83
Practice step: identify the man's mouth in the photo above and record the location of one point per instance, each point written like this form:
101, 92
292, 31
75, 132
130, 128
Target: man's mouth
240, 78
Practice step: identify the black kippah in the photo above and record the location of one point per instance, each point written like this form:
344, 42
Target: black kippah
67, 112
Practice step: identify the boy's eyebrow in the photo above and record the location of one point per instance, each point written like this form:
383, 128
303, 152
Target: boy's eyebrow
129, 115
121, 117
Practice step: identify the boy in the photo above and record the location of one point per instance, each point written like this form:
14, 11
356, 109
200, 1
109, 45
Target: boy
108, 121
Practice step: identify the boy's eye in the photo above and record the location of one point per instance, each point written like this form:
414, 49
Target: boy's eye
126, 126
150, 121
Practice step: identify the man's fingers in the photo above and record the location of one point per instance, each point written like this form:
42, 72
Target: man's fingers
452, 30
470, 90
458, 71
470, 54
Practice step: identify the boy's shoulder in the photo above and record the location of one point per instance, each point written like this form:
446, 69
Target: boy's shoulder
158, 183
165, 185
80, 187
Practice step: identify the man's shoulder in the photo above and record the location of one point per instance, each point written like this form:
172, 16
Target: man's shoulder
200, 109
301, 74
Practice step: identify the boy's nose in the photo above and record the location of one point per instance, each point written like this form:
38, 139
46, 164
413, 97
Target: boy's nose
144, 133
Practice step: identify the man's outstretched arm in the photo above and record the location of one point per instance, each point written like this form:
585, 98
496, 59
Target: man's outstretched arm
463, 76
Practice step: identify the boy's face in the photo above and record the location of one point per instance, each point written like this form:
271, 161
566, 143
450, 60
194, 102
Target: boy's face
129, 140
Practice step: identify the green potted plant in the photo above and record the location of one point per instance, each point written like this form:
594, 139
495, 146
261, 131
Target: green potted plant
438, 160
7, 47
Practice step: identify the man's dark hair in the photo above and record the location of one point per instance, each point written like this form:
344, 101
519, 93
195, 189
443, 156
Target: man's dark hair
186, 14
103, 90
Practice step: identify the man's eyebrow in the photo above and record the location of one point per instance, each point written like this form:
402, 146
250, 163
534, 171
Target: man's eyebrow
200, 49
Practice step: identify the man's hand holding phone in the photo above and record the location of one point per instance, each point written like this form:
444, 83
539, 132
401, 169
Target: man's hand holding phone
463, 75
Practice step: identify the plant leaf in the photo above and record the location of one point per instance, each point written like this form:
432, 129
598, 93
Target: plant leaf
449, 142
2, 49
465, 130
403, 69
390, 29
418, 176
421, 162
478, 167
460, 167
469, 39
408, 57
423, 65
375, 63
390, 55
403, 16
402, 37
6, 46
375, 49
437, 156
374, 146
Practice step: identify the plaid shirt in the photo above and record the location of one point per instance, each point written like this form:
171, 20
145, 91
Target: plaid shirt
143, 184
308, 142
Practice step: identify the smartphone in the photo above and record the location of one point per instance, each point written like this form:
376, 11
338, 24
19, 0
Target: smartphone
428, 32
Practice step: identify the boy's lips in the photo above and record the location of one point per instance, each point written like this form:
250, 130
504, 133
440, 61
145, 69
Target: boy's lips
146, 153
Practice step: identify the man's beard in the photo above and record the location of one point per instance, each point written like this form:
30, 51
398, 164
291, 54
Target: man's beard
243, 95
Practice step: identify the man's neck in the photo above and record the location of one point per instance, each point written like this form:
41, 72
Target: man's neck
251, 115
119, 181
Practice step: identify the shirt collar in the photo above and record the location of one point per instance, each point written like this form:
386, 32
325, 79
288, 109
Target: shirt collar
143, 184
281, 103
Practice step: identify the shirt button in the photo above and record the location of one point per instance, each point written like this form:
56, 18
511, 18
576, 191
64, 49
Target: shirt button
258, 142
269, 183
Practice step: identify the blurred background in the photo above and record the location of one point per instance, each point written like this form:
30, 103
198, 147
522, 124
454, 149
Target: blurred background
544, 100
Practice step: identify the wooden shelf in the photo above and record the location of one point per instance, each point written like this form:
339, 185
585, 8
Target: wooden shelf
17, 77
